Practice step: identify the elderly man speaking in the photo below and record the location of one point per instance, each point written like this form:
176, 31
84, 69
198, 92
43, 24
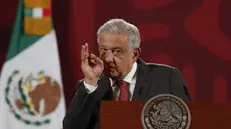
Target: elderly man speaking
118, 73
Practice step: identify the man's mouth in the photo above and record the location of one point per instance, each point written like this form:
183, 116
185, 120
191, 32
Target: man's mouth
112, 68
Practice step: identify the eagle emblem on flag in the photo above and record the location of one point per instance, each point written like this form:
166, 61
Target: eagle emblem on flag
32, 98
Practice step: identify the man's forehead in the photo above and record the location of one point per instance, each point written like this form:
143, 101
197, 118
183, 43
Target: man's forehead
108, 39
111, 45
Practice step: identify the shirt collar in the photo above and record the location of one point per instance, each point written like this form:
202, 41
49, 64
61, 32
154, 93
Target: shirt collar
129, 77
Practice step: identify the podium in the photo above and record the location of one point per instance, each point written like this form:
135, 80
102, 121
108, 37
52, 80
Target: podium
127, 115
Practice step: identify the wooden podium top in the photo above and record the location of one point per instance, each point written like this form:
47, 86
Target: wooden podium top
127, 115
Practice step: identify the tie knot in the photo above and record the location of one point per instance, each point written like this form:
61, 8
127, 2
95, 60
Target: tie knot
121, 83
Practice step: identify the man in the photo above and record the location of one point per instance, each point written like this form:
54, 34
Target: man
118, 74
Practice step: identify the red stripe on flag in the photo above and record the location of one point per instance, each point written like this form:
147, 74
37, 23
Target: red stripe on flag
46, 12
220, 89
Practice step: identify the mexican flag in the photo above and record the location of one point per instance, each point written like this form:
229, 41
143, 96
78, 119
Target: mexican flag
31, 91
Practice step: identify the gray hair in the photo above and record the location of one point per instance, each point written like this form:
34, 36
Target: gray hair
118, 26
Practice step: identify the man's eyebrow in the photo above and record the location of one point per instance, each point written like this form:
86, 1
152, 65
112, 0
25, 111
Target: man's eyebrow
102, 47
117, 47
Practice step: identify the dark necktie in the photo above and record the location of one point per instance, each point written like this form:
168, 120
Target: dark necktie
123, 91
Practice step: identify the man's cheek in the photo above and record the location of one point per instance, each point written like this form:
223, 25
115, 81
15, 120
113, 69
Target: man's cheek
118, 61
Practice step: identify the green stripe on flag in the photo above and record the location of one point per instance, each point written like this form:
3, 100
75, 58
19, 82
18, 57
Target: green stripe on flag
28, 12
19, 40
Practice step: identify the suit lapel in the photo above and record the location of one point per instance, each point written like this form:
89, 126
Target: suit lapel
142, 83
104, 90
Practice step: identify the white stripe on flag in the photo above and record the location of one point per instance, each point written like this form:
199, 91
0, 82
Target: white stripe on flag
37, 12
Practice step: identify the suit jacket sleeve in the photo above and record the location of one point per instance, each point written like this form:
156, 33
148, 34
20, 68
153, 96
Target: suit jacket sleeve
79, 113
178, 85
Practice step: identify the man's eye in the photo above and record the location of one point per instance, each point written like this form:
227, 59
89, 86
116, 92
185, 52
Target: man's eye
117, 51
103, 50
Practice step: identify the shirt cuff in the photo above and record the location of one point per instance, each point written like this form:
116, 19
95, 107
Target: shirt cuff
89, 88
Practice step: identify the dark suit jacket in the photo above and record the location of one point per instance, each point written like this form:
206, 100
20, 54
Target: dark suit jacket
152, 79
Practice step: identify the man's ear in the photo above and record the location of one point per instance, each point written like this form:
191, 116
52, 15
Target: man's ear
136, 53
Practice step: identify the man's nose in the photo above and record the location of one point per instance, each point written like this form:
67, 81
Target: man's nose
109, 57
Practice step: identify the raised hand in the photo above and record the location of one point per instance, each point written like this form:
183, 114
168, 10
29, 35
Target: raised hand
92, 67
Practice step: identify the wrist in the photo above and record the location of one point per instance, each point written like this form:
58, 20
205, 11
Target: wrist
92, 82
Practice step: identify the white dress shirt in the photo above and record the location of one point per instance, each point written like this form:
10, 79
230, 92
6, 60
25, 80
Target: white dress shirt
130, 78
